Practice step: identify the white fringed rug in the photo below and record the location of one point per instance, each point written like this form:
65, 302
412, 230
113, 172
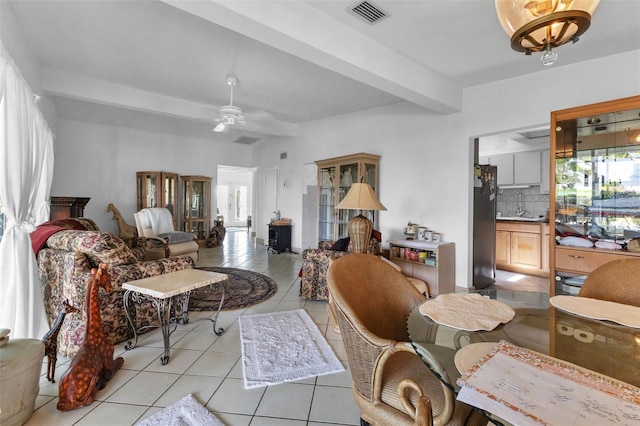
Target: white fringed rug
186, 412
282, 347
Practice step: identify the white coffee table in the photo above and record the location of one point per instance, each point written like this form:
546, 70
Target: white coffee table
166, 291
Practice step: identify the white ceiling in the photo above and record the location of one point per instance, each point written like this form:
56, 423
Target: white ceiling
162, 65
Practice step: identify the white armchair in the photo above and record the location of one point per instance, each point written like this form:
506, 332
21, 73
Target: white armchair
156, 225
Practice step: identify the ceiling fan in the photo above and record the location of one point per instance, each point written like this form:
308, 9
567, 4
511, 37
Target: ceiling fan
230, 115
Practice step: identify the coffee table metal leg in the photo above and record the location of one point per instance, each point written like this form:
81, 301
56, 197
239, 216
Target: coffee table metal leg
220, 330
130, 344
164, 314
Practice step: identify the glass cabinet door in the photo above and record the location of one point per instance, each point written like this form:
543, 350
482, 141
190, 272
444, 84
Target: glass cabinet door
326, 203
158, 189
197, 205
170, 192
148, 186
349, 174
598, 175
335, 178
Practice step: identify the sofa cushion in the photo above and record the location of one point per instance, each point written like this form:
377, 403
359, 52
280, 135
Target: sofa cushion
176, 237
98, 246
341, 244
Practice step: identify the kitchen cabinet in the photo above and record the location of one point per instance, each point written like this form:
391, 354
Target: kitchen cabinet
504, 162
335, 177
526, 168
196, 195
503, 247
433, 263
520, 168
545, 173
520, 247
594, 185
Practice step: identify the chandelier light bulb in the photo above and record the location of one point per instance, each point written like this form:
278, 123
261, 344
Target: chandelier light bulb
549, 57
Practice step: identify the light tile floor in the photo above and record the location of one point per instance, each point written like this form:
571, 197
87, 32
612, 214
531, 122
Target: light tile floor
210, 367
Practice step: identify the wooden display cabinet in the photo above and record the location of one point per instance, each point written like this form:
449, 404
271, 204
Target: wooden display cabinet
595, 186
158, 189
196, 193
433, 263
66, 207
335, 177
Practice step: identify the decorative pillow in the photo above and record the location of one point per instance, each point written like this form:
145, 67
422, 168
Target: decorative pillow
340, 245
99, 246
176, 237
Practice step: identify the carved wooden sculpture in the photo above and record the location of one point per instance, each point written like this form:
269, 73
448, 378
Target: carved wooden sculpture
124, 229
50, 340
93, 365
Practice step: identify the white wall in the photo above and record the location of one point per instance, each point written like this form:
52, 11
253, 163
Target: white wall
14, 40
98, 161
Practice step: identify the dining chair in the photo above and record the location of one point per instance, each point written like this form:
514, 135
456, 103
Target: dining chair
391, 383
615, 281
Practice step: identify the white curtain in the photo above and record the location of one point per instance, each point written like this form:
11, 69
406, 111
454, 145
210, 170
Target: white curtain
26, 164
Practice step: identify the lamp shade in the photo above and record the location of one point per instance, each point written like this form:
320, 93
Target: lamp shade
540, 25
360, 197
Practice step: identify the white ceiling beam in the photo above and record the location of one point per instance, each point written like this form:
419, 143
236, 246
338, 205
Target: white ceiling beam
301, 30
103, 92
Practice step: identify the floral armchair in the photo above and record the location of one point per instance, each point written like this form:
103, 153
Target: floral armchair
315, 263
64, 265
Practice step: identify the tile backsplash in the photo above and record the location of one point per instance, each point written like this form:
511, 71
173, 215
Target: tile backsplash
534, 203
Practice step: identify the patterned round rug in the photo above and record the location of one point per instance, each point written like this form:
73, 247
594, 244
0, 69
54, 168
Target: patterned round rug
244, 289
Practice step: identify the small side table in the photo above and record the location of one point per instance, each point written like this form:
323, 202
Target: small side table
166, 290
279, 238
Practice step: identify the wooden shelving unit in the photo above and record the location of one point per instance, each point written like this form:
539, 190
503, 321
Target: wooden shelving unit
433, 263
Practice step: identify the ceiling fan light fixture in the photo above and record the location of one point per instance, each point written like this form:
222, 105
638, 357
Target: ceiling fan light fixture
541, 25
230, 115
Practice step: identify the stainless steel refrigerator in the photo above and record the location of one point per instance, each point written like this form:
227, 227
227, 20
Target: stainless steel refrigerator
484, 225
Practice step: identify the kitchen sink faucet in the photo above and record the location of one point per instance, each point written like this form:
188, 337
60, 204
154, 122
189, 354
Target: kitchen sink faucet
519, 211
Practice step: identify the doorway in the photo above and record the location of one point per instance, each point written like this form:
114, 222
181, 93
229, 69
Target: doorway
515, 196
234, 194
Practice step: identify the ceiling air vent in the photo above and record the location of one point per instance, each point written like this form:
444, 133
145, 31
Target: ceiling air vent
368, 11
246, 140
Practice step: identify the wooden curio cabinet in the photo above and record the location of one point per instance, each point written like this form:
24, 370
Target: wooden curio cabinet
158, 189
196, 193
335, 176
595, 190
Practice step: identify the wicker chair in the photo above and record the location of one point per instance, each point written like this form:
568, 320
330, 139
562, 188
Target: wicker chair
616, 281
391, 384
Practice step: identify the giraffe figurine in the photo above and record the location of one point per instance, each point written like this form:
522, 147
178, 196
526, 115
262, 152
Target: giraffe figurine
50, 340
93, 366
124, 229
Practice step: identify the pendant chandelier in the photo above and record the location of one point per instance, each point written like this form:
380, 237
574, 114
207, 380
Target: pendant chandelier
541, 25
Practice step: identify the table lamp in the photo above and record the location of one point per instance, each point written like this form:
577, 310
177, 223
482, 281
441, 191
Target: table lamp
360, 197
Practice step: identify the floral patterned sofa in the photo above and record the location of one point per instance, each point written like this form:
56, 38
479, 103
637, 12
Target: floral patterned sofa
315, 263
64, 265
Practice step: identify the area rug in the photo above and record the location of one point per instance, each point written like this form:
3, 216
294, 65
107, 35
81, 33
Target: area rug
243, 289
282, 347
186, 412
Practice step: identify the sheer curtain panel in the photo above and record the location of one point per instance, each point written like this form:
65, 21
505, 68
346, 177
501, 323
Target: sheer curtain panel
26, 162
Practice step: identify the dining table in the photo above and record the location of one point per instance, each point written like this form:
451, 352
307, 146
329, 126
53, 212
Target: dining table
606, 347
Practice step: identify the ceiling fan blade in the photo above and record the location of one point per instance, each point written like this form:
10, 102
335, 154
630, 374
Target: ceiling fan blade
259, 115
221, 127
